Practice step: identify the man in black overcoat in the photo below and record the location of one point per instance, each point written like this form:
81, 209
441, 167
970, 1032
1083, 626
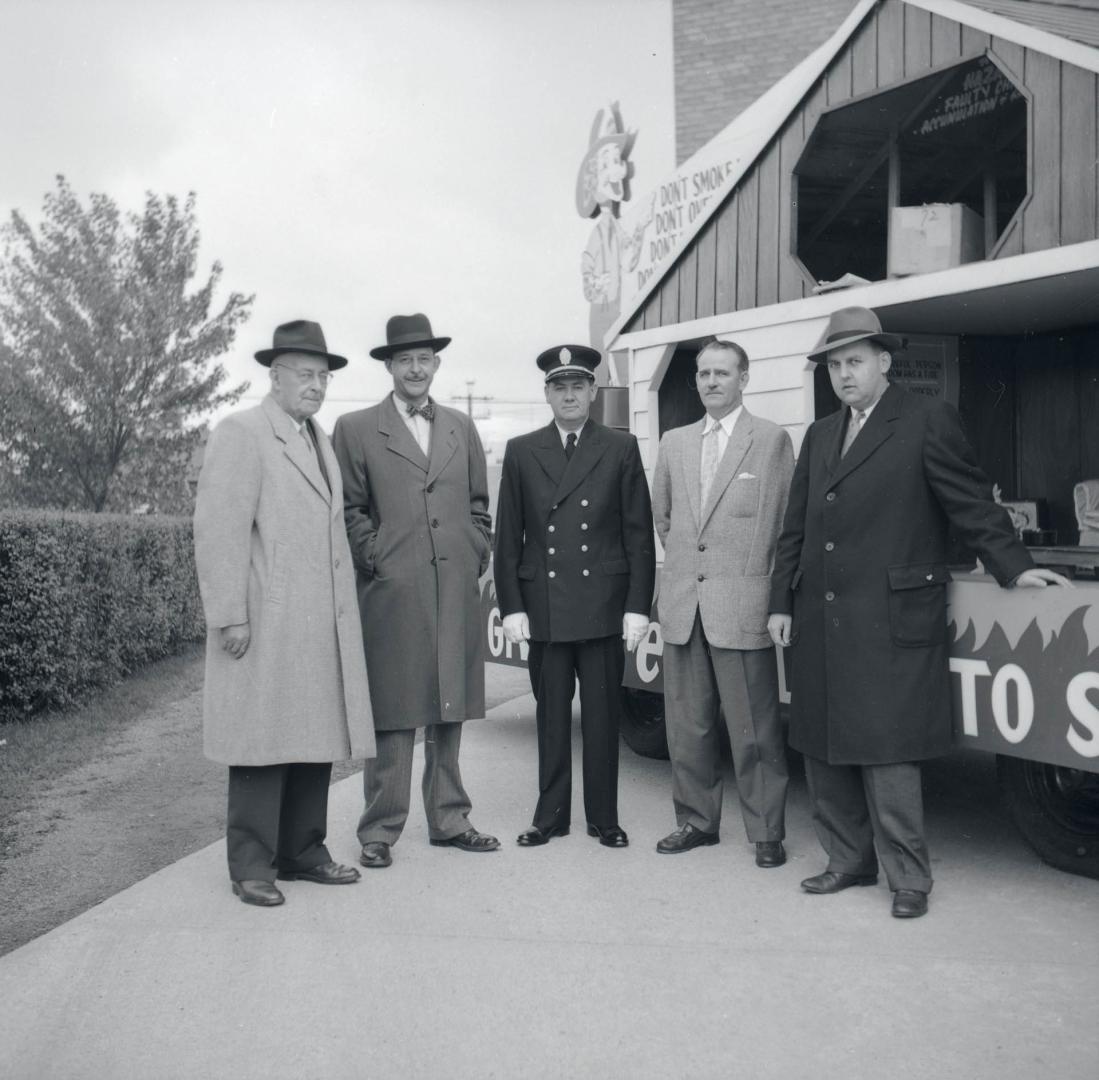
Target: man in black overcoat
859, 596
574, 572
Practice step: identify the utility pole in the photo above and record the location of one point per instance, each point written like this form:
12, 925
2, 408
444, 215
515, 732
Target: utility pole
470, 398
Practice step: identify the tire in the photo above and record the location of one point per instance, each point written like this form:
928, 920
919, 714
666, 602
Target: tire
1056, 808
642, 723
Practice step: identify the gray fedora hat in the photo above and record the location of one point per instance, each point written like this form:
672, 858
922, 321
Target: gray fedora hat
851, 324
300, 336
406, 332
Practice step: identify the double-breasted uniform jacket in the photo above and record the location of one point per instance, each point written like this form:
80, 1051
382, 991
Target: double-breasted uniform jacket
574, 538
419, 533
861, 567
271, 551
718, 557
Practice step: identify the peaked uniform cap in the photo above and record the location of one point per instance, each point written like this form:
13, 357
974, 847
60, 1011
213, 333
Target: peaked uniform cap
408, 332
851, 324
569, 360
300, 336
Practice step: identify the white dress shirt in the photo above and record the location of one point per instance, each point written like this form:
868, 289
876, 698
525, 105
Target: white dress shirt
418, 425
725, 428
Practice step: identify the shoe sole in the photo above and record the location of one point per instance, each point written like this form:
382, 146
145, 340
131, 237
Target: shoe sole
908, 914
465, 847
255, 902
315, 880
709, 842
863, 882
375, 864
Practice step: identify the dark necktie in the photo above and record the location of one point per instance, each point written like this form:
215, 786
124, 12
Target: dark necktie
570, 445
426, 411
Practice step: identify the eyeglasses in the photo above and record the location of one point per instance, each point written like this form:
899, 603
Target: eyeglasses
323, 378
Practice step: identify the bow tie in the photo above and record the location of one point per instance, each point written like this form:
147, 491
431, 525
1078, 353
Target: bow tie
426, 411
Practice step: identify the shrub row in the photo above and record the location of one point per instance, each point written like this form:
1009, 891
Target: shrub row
87, 598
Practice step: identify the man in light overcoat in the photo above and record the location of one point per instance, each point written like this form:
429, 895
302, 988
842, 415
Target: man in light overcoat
859, 597
719, 492
286, 690
416, 509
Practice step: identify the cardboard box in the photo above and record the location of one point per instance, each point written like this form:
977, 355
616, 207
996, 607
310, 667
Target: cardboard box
935, 236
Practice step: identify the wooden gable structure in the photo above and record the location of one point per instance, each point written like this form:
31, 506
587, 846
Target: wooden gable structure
745, 254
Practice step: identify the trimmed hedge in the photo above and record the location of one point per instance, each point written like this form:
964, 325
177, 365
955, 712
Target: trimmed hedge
87, 598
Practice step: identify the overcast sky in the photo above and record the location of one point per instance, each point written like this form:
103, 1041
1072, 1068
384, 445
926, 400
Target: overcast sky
352, 158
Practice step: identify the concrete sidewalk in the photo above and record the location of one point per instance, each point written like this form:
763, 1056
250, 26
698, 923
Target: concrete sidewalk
569, 960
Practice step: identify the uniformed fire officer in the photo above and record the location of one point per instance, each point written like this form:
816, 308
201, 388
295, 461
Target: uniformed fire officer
574, 569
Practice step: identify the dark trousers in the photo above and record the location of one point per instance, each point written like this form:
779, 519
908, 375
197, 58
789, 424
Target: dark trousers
698, 679
858, 806
554, 668
387, 785
277, 819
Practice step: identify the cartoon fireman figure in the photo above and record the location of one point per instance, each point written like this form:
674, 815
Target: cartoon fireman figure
601, 186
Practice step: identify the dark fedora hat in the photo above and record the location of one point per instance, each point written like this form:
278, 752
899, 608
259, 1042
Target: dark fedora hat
564, 360
300, 336
408, 332
851, 324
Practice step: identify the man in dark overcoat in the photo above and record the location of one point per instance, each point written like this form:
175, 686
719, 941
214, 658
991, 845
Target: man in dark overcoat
574, 570
416, 509
859, 597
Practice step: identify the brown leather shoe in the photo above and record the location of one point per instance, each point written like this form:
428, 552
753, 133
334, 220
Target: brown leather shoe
260, 893
909, 904
832, 882
536, 837
684, 839
470, 840
329, 873
375, 854
770, 853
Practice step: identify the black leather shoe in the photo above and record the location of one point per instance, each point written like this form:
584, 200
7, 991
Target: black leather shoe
770, 853
536, 837
260, 893
686, 838
831, 882
329, 873
470, 840
909, 904
375, 854
612, 836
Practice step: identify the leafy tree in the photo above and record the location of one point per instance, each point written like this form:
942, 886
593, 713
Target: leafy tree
107, 353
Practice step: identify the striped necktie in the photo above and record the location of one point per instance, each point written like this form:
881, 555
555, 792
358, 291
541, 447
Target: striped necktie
709, 462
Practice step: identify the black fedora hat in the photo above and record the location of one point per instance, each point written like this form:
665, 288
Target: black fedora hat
408, 332
300, 336
564, 360
851, 324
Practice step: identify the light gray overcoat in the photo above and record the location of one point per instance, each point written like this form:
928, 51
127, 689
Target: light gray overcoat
271, 551
718, 557
419, 531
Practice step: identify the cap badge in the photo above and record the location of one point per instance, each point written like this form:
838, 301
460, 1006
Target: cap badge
564, 356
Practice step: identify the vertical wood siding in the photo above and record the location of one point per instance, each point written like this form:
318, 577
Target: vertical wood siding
743, 256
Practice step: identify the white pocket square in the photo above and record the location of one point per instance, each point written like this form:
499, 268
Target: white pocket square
746, 476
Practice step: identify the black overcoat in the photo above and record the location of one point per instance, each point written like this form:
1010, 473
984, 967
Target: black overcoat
861, 566
574, 539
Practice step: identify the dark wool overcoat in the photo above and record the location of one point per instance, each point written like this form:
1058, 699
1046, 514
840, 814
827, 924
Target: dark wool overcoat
419, 533
861, 566
574, 538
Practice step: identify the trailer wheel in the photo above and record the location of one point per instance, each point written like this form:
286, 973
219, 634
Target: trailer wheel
642, 722
1057, 811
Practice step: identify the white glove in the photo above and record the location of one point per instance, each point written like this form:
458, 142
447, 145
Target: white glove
634, 629
517, 627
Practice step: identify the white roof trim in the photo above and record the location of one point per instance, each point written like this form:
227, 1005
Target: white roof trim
798, 82
970, 277
1071, 52
758, 129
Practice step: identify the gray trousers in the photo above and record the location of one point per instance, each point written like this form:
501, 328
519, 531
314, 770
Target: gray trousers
697, 679
858, 806
387, 785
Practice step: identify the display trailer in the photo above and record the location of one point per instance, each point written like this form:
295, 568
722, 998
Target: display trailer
937, 163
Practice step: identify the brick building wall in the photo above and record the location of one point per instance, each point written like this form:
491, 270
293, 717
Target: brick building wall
728, 52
